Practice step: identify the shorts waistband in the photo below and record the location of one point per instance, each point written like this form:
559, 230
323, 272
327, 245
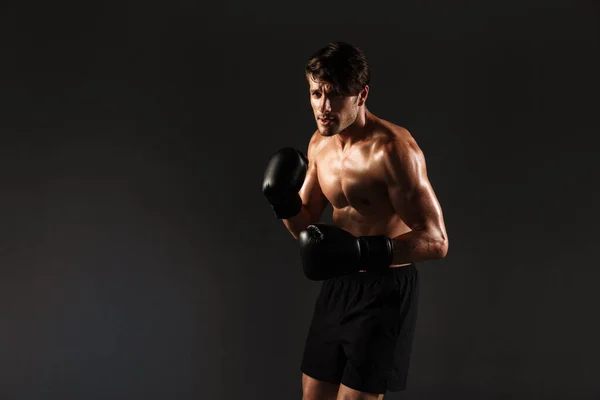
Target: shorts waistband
377, 275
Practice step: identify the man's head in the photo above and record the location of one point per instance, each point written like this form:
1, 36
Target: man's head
338, 76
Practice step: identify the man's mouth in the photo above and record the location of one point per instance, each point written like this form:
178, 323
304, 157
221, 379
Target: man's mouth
326, 121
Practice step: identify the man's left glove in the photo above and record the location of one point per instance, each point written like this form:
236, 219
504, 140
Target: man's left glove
328, 251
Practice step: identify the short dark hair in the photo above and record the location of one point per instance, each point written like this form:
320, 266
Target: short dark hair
342, 65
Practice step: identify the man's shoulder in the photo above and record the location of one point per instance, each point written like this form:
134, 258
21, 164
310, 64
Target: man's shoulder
391, 135
391, 131
396, 142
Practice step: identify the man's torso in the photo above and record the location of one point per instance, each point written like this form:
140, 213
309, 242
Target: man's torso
353, 180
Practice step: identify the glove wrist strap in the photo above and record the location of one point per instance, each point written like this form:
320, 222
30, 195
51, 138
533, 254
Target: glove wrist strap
377, 252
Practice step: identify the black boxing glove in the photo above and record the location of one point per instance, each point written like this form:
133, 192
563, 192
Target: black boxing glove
283, 179
328, 251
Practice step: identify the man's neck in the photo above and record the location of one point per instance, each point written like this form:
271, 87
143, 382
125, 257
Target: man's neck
355, 132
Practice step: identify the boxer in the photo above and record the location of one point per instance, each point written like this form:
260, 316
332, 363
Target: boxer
386, 219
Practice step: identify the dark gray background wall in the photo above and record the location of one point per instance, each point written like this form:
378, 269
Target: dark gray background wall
138, 258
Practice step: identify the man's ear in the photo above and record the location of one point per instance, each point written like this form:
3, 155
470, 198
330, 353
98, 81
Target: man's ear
362, 96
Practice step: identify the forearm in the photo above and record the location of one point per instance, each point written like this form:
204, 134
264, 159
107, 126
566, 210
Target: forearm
298, 222
418, 246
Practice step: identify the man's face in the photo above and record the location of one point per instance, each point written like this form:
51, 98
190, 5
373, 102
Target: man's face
333, 112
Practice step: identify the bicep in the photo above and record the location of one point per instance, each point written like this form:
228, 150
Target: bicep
418, 206
410, 190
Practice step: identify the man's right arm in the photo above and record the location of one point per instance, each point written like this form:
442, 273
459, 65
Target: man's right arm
314, 201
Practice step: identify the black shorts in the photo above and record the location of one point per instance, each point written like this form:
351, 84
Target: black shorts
362, 330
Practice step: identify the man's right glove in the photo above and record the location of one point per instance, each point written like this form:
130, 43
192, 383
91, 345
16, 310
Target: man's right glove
283, 180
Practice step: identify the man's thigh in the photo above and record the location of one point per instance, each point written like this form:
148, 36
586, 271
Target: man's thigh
314, 389
346, 393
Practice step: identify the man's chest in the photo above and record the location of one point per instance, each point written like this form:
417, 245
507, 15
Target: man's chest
353, 179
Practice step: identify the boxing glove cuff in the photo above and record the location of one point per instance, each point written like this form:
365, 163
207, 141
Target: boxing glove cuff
376, 252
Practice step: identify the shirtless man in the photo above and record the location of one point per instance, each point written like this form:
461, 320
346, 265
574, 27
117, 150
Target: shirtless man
386, 218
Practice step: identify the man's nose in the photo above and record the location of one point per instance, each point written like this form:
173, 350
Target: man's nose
325, 105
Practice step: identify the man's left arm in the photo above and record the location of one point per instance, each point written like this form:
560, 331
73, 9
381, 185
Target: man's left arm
414, 200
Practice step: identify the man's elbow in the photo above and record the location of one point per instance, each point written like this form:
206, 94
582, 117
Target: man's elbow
437, 244
441, 248
295, 232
